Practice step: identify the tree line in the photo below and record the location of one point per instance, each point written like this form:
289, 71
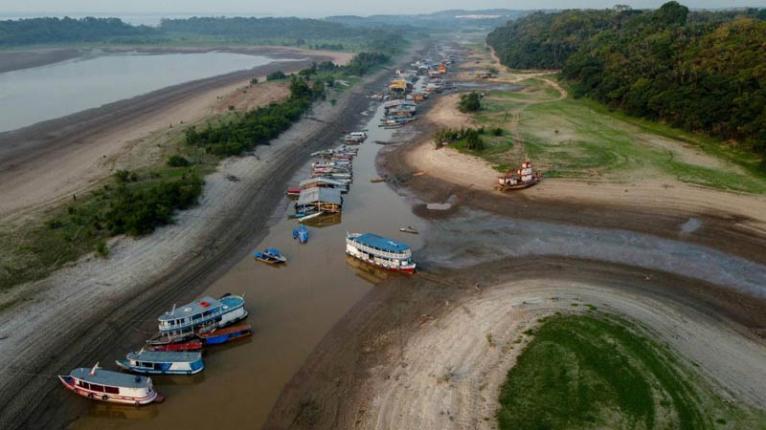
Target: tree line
700, 71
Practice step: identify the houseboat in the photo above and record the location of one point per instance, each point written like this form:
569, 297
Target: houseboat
318, 200
322, 182
355, 138
226, 334
380, 251
182, 322
163, 362
113, 387
521, 178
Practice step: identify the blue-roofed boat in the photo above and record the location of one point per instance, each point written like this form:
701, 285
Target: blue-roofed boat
380, 251
109, 386
270, 256
301, 233
182, 323
225, 335
163, 362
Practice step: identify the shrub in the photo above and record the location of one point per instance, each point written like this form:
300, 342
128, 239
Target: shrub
497, 132
102, 250
177, 161
253, 81
470, 102
276, 76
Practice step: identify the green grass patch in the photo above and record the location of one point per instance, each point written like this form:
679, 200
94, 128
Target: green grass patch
596, 371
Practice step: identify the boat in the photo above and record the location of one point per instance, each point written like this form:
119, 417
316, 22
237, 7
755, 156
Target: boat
380, 251
409, 229
163, 362
224, 335
191, 345
109, 386
180, 324
301, 233
293, 192
270, 256
524, 177
355, 138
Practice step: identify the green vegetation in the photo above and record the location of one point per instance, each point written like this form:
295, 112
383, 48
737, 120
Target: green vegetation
276, 76
598, 371
309, 33
579, 138
702, 72
465, 138
470, 102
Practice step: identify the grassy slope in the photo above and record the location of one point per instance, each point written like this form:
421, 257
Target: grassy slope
580, 138
597, 371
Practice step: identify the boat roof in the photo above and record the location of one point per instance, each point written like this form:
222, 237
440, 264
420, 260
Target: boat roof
193, 308
108, 377
325, 195
320, 180
164, 356
380, 242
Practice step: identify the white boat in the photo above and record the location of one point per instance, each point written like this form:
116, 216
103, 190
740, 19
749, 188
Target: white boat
109, 386
380, 251
181, 323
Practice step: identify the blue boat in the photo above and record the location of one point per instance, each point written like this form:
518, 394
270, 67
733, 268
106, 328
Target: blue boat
270, 256
301, 233
225, 335
162, 362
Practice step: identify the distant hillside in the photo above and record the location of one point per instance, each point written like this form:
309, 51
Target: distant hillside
698, 71
67, 30
443, 20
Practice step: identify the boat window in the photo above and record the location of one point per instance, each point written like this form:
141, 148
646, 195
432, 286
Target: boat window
112, 390
98, 388
83, 384
196, 317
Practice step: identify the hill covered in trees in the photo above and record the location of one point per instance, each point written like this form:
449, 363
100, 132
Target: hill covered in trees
282, 31
703, 72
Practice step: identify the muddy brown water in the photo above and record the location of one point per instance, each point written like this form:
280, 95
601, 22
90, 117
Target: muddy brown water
291, 309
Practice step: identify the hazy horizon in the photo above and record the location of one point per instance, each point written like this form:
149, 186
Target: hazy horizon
138, 8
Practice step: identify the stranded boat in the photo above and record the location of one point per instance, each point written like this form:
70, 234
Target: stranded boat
301, 233
270, 256
227, 334
380, 251
191, 345
109, 386
521, 178
180, 324
163, 362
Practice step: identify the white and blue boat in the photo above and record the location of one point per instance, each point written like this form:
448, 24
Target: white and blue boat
270, 256
163, 362
380, 251
109, 386
182, 323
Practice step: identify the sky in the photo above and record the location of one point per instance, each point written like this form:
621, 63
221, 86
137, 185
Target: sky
319, 8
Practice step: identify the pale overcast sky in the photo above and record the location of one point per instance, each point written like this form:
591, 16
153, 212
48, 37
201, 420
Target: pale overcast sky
318, 8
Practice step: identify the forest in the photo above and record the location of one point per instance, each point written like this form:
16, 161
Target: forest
700, 71
282, 31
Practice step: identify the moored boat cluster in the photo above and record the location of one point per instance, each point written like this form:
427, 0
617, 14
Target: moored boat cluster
183, 333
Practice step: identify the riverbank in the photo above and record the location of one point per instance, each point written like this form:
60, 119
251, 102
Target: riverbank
119, 296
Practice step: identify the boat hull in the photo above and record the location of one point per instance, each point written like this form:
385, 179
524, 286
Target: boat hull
168, 369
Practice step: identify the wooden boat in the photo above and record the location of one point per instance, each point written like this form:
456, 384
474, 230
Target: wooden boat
191, 345
301, 233
294, 192
181, 323
109, 386
524, 177
380, 251
162, 362
270, 256
225, 335
409, 229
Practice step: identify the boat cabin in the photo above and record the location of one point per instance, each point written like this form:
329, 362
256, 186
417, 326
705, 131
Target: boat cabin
183, 321
109, 386
163, 362
312, 200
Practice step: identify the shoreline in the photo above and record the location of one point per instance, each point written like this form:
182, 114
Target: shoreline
53, 159
188, 256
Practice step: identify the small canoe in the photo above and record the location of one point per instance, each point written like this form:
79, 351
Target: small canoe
227, 334
301, 233
192, 345
270, 256
409, 229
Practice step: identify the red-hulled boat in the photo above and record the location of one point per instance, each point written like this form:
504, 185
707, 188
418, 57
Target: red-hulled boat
191, 345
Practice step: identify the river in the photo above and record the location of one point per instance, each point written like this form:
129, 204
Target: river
291, 309
31, 95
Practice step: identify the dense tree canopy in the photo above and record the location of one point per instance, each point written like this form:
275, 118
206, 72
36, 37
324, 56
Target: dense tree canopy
59, 30
701, 72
